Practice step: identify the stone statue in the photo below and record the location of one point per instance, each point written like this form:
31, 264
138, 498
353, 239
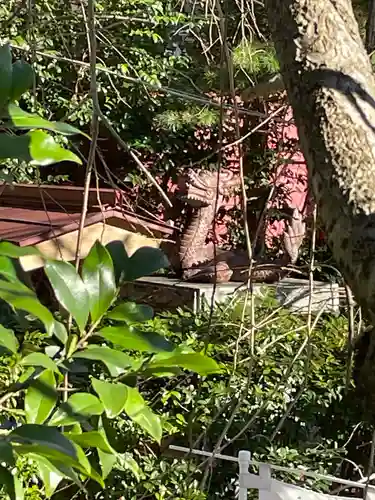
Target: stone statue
199, 261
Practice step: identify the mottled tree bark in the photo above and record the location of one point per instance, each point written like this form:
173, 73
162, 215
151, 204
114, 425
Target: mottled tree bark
331, 87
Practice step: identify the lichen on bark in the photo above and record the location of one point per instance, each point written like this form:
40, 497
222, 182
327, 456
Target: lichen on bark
331, 87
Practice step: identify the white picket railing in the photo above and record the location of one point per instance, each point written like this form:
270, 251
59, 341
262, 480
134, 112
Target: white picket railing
272, 489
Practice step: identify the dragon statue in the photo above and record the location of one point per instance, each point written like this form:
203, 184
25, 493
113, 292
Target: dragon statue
205, 193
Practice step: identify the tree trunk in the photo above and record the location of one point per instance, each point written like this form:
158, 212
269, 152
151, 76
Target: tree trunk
370, 27
329, 80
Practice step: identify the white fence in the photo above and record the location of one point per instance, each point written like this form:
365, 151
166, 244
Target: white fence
272, 489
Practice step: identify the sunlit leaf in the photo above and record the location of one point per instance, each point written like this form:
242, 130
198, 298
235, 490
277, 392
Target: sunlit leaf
40, 359
91, 439
130, 338
8, 339
137, 409
110, 357
11, 250
60, 332
38, 404
192, 361
107, 462
99, 278
112, 395
35, 147
20, 119
131, 312
69, 290
49, 474
78, 407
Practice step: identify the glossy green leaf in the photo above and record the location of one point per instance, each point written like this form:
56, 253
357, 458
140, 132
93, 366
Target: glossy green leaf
7, 269
11, 250
107, 462
86, 466
130, 338
20, 119
18, 488
38, 404
112, 395
22, 79
5, 74
192, 361
119, 258
69, 290
91, 439
99, 278
137, 409
131, 312
60, 332
21, 297
49, 474
40, 437
125, 461
40, 359
6, 453
80, 406
146, 261
8, 339
110, 357
7, 480
36, 147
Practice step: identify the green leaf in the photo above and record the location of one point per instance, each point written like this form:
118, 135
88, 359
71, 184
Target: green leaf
131, 312
18, 488
21, 297
60, 332
40, 359
91, 439
49, 474
107, 461
10, 250
42, 438
7, 269
36, 147
6, 453
146, 261
119, 258
5, 74
137, 409
86, 467
125, 461
192, 361
69, 290
112, 395
128, 337
78, 407
38, 405
99, 278
8, 339
7, 480
110, 357
20, 119
22, 79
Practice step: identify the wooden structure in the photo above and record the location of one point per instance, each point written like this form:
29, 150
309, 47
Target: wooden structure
49, 218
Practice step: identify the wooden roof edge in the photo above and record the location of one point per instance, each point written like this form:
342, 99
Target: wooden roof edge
155, 230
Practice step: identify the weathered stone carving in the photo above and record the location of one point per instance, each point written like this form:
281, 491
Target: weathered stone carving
199, 261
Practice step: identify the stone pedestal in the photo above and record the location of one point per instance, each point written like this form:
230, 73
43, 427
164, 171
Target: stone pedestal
168, 294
